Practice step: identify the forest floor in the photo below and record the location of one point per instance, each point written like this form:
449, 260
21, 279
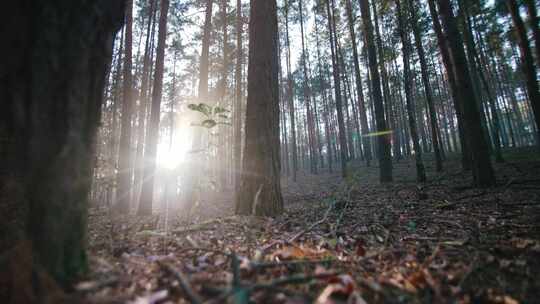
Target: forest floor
339, 241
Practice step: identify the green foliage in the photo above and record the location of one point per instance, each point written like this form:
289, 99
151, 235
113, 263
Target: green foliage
212, 115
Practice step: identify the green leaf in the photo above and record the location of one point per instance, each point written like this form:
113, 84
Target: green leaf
201, 108
209, 123
219, 110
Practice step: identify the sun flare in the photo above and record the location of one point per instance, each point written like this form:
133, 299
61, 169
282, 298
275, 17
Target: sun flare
172, 156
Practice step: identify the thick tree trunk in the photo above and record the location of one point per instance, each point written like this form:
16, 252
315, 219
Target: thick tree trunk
445, 54
124, 157
483, 174
528, 64
147, 192
260, 190
383, 140
51, 83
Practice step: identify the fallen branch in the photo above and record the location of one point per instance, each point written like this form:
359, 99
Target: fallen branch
183, 280
263, 265
296, 279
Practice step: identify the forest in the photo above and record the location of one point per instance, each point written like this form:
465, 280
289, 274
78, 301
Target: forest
270, 151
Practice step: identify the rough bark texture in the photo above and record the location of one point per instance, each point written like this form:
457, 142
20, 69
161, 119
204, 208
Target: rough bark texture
383, 141
260, 189
482, 170
147, 192
51, 86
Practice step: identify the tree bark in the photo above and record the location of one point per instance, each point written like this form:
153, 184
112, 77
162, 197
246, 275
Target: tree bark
383, 140
534, 23
445, 54
337, 87
124, 157
238, 95
326, 111
420, 170
260, 189
308, 96
427, 87
528, 65
147, 192
143, 102
197, 162
482, 170
291, 97
51, 83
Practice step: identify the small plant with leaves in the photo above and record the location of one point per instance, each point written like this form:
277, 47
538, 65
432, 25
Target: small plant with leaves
213, 116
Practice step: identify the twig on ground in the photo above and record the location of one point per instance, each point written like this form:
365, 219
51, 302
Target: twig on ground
183, 280
296, 279
299, 234
290, 263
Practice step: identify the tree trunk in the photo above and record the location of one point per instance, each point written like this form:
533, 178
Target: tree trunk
383, 140
387, 101
326, 111
52, 81
360, 92
290, 96
427, 87
260, 190
147, 192
403, 32
197, 162
124, 157
308, 96
483, 174
238, 95
528, 65
337, 87
220, 162
445, 54
143, 102
534, 23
